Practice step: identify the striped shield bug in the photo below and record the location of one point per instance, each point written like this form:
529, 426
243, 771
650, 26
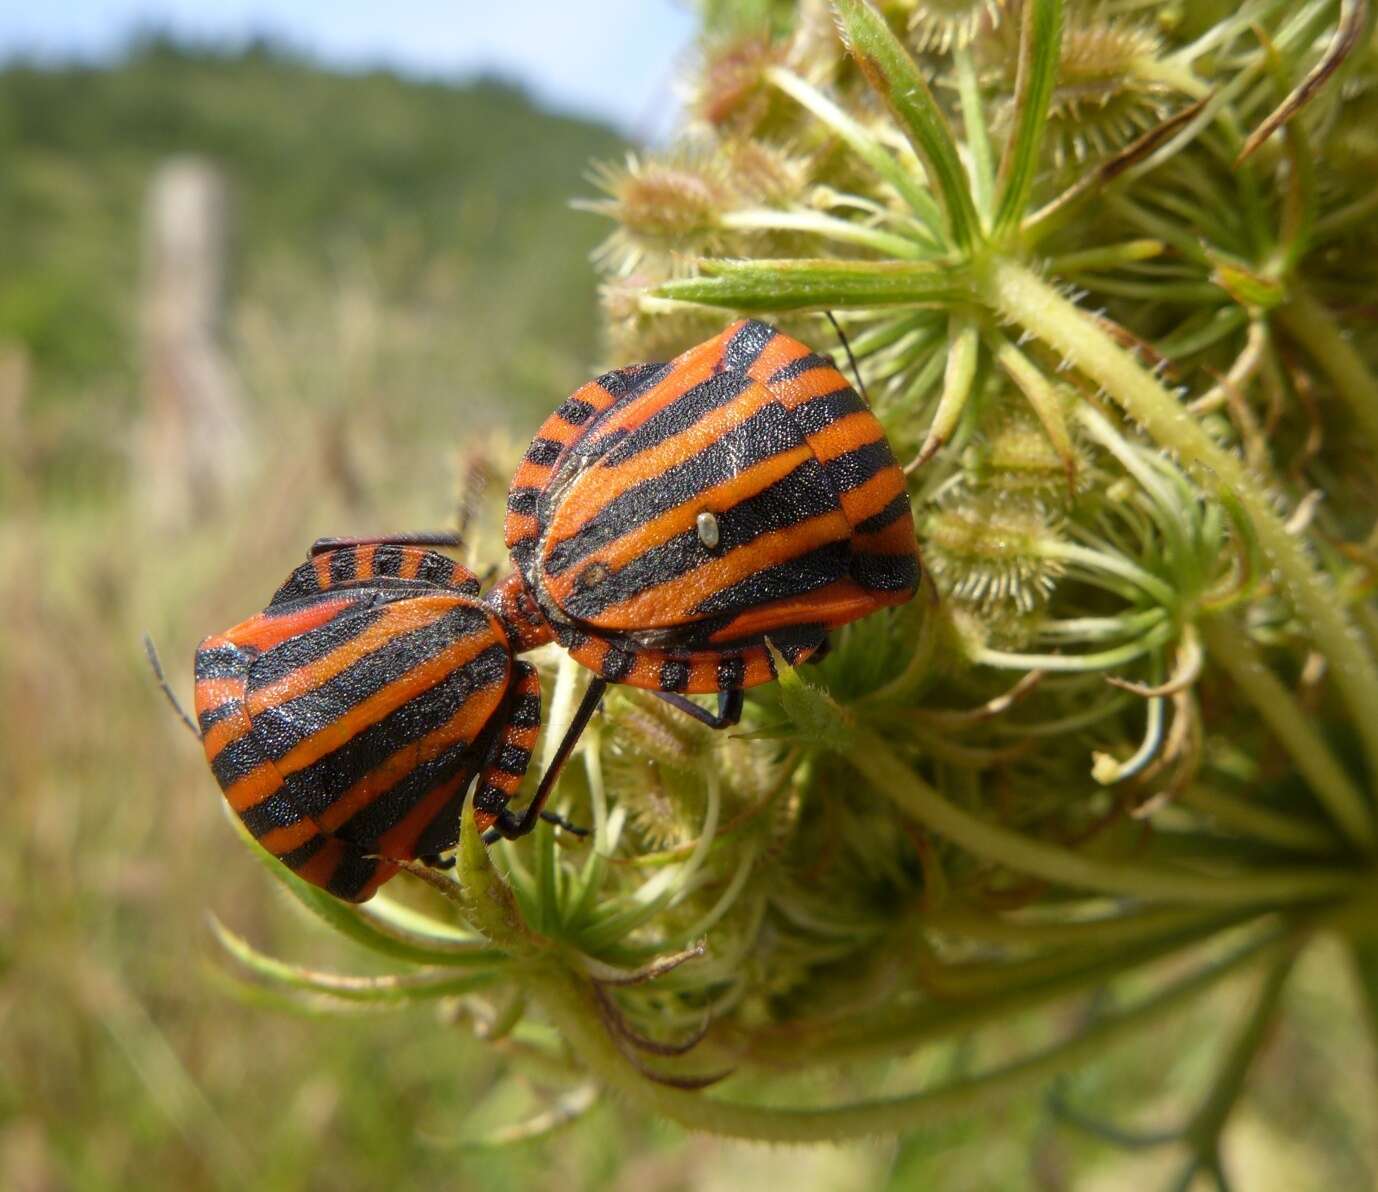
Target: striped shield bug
347, 721
669, 519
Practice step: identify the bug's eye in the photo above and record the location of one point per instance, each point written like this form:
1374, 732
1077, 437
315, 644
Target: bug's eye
707, 526
592, 575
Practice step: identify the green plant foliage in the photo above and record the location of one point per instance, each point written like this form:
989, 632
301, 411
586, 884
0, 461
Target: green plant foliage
1124, 745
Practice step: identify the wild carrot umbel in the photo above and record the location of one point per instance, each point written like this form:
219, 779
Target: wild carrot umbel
1108, 271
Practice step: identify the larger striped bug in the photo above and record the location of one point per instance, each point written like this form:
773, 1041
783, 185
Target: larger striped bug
667, 522
668, 519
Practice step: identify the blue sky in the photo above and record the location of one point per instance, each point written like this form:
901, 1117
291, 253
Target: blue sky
610, 58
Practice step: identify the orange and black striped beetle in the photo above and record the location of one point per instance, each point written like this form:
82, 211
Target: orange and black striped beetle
347, 721
669, 518
665, 523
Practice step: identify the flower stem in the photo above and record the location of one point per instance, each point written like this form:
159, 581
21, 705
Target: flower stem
1066, 867
570, 1004
1231, 648
1023, 296
1311, 325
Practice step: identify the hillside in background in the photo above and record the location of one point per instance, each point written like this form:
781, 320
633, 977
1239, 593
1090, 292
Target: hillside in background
445, 207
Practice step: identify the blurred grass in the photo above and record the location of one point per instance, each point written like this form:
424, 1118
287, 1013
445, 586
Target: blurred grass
410, 291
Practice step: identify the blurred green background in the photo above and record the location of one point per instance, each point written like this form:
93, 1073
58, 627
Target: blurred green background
405, 292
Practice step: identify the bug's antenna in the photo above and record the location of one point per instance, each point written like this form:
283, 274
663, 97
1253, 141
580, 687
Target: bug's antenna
152, 651
846, 347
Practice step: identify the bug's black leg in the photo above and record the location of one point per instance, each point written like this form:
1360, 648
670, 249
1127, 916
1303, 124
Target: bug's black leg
434, 538
511, 825
435, 861
729, 708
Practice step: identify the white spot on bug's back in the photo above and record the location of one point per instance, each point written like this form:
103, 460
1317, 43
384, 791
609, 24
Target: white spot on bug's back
707, 526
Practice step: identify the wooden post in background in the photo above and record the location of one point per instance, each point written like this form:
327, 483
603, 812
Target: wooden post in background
193, 451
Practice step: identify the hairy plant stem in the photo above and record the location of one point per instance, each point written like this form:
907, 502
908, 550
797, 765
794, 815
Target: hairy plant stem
1031, 302
1230, 646
1067, 867
572, 1007
1312, 326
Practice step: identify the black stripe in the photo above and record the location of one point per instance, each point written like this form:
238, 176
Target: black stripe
302, 649
858, 466
544, 452
571, 639
688, 409
746, 346
236, 760
806, 573
802, 494
819, 413
344, 565
795, 640
300, 855
213, 716
633, 379
222, 662
575, 411
282, 727
896, 509
276, 811
512, 759
443, 831
674, 675
491, 799
523, 501
797, 368
617, 664
768, 432
731, 674
886, 573
393, 805
436, 569
387, 560
352, 874
526, 712
302, 582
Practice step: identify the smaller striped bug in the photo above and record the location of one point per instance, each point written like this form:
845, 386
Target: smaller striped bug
347, 721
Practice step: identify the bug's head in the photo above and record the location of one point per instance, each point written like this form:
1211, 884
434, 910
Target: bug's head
521, 616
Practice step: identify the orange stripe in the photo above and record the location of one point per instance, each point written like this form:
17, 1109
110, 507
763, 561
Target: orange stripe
363, 561
284, 840
258, 784
321, 565
330, 737
846, 434
225, 732
268, 629
779, 352
839, 602
403, 616
870, 498
808, 385
215, 693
